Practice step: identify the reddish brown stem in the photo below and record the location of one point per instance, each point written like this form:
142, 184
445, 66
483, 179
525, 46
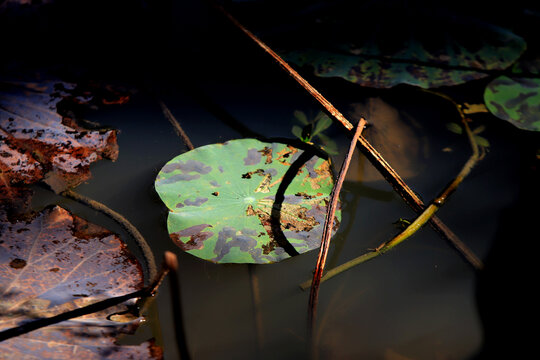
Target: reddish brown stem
168, 114
327, 230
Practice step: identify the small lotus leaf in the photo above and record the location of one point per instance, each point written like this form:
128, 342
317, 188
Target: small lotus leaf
223, 207
516, 100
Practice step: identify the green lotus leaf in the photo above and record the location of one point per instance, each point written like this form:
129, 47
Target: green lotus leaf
228, 202
380, 73
392, 46
516, 100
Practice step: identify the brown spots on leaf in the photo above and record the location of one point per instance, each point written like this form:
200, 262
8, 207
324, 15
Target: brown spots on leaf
39, 140
264, 186
82, 229
284, 156
267, 152
323, 176
215, 193
250, 211
17, 263
293, 217
248, 175
304, 195
269, 247
196, 235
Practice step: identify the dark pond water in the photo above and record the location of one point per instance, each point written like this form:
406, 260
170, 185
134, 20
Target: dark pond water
420, 301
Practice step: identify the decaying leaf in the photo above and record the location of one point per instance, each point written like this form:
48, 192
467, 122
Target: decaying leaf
38, 144
222, 201
393, 136
55, 262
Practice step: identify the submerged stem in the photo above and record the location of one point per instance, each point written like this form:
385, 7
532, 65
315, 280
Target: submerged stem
176, 125
256, 299
174, 282
147, 253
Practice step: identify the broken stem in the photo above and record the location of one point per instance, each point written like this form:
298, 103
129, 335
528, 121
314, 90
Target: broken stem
132, 230
143, 293
171, 262
368, 150
421, 220
327, 232
176, 125
256, 298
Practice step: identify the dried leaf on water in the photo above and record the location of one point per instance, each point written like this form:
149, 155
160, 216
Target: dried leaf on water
56, 262
39, 144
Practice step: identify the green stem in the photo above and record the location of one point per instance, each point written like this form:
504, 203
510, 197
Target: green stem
381, 249
423, 218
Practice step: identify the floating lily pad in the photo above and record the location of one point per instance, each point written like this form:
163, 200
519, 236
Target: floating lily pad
223, 207
516, 100
395, 44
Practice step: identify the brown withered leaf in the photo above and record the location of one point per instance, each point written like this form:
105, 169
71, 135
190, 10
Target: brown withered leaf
56, 262
39, 144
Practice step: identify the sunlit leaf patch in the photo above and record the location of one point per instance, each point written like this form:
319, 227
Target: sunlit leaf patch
222, 201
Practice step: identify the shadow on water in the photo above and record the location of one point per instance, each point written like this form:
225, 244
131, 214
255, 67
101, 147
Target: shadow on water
504, 295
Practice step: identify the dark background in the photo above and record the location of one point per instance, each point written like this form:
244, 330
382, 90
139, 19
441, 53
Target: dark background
162, 46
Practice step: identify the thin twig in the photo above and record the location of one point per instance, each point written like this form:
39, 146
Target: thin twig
419, 221
367, 149
176, 125
327, 231
256, 298
147, 253
176, 300
143, 293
